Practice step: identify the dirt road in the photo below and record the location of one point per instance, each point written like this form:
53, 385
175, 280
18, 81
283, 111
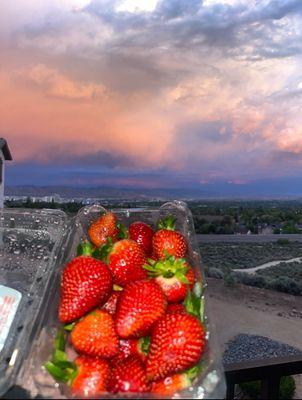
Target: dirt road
267, 265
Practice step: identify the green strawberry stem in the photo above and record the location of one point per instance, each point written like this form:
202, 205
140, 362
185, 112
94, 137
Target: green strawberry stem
193, 304
60, 341
69, 327
167, 223
144, 344
85, 249
123, 232
60, 368
168, 268
193, 372
56, 372
58, 356
102, 252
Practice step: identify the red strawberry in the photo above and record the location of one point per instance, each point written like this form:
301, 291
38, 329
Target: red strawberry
110, 305
103, 228
126, 260
153, 256
92, 376
166, 241
177, 343
95, 335
140, 305
171, 384
174, 276
142, 234
175, 308
86, 283
128, 376
134, 347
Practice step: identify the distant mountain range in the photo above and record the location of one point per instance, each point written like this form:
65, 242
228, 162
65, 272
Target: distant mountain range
207, 192
102, 192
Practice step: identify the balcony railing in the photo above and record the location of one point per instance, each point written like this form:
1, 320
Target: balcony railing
268, 371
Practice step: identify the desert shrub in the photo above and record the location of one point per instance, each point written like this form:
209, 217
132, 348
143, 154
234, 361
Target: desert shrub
215, 273
287, 388
286, 285
283, 242
251, 280
292, 270
246, 255
229, 278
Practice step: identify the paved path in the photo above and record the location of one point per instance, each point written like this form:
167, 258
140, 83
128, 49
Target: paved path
247, 238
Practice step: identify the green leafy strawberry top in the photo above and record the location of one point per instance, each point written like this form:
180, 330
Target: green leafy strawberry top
167, 223
168, 268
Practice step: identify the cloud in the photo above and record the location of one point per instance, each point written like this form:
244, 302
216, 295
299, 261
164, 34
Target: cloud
199, 89
57, 85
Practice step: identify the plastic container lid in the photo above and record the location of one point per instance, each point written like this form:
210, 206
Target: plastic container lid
31, 244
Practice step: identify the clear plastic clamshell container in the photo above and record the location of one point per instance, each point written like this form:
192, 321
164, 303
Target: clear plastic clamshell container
30, 243
210, 383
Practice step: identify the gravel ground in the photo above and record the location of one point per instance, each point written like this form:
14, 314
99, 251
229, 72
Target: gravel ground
246, 347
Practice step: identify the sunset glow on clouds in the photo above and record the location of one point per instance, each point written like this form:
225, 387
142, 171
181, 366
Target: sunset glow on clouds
167, 92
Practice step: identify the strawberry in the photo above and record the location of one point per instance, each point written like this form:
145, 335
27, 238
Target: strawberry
110, 305
177, 343
95, 335
87, 376
103, 228
176, 308
171, 384
142, 234
167, 241
140, 304
91, 378
153, 256
128, 376
134, 347
174, 276
86, 283
126, 260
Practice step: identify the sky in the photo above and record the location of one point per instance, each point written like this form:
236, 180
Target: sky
158, 93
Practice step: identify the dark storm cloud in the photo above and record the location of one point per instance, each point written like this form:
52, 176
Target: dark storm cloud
61, 157
197, 132
178, 23
208, 88
154, 50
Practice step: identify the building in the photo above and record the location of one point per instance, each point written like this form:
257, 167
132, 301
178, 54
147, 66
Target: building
5, 155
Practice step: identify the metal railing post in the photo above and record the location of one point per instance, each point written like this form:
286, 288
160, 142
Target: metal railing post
270, 388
